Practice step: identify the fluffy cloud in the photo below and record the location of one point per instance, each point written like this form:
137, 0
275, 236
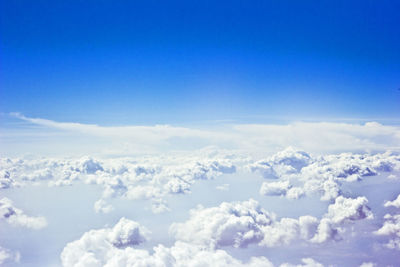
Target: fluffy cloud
281, 188
275, 188
323, 174
239, 224
5, 180
349, 209
394, 203
155, 177
152, 177
17, 217
95, 246
391, 228
230, 224
8, 256
116, 247
284, 162
101, 206
342, 212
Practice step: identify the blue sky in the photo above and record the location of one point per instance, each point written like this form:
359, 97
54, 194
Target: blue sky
148, 62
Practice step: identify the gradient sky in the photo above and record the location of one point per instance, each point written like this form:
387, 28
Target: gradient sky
147, 62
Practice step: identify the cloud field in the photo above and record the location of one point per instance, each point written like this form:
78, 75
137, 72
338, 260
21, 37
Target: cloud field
301, 194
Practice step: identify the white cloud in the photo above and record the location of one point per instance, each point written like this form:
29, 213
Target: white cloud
391, 228
179, 255
394, 203
342, 212
230, 224
281, 188
287, 161
275, 188
255, 138
368, 264
115, 247
8, 256
349, 209
286, 230
149, 177
306, 262
95, 246
322, 174
17, 217
239, 224
101, 206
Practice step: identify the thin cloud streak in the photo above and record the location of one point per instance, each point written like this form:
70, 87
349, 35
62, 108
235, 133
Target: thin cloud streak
316, 137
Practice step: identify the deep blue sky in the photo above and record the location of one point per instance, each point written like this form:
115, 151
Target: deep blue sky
146, 62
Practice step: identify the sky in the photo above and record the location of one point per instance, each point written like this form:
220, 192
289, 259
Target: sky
199, 133
183, 62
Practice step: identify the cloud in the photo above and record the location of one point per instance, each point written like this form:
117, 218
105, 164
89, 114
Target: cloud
5, 180
101, 206
116, 247
17, 217
95, 246
151, 177
317, 137
306, 262
281, 188
8, 256
319, 174
391, 228
349, 209
284, 162
179, 255
275, 188
395, 203
239, 224
230, 224
340, 213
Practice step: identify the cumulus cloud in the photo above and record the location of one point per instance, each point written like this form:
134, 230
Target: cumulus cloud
391, 228
179, 255
368, 264
340, 213
349, 209
239, 224
321, 174
230, 224
101, 206
8, 256
94, 247
281, 188
284, 162
275, 188
116, 247
17, 217
5, 180
151, 177
394, 203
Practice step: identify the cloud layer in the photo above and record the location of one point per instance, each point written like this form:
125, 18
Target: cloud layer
316, 137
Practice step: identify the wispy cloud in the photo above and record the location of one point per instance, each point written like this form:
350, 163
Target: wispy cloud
316, 137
